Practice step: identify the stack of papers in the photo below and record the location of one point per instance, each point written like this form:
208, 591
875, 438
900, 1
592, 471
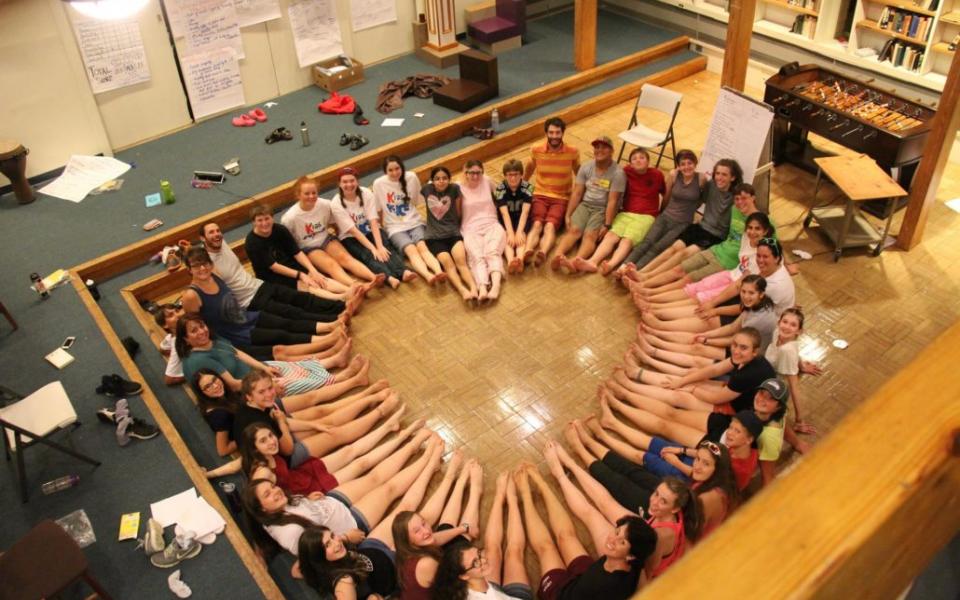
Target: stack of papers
189, 512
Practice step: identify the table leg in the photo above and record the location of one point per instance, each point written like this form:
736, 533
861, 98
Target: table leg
842, 237
816, 188
891, 203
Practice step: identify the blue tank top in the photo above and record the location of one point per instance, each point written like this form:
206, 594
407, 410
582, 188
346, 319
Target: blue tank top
224, 315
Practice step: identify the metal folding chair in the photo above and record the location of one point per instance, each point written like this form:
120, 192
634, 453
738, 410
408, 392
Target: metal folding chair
637, 134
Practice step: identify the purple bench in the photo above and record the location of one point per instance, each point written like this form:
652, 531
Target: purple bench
510, 21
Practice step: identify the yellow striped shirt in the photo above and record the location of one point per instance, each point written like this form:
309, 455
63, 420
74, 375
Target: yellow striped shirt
554, 170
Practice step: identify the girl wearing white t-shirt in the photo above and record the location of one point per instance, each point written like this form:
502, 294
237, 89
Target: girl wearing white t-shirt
355, 214
467, 572
784, 355
307, 221
397, 193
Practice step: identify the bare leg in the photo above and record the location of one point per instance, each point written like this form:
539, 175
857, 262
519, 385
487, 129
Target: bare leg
339, 412
533, 240
471, 514
373, 458
393, 464
413, 256
546, 242
652, 425
336, 250
327, 264
451, 511
344, 456
567, 241
374, 505
601, 511
572, 436
514, 571
493, 531
619, 255
434, 506
588, 244
655, 265
690, 324
560, 521
322, 443
622, 448
658, 365
603, 250
540, 539
453, 275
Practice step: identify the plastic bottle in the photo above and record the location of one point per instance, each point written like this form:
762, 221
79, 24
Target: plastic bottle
92, 286
59, 484
38, 285
304, 134
495, 120
167, 192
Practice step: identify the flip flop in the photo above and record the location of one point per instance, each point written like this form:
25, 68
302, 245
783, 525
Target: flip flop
258, 114
244, 120
358, 142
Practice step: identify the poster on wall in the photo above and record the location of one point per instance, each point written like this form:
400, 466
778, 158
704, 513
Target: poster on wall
738, 130
211, 24
113, 54
365, 14
251, 12
316, 33
213, 81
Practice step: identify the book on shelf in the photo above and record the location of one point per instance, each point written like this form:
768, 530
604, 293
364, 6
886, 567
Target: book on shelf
885, 51
934, 4
809, 26
912, 30
884, 19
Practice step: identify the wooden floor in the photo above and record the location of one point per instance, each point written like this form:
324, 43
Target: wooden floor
499, 381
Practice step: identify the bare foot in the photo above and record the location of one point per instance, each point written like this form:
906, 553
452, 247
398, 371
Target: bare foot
539, 258
570, 433
511, 489
583, 265
501, 488
593, 424
389, 405
607, 420
803, 428
378, 280
342, 357
482, 293
393, 282
456, 459
416, 426
476, 475
494, 292
605, 268
467, 295
408, 276
558, 261
516, 265
527, 256
377, 386
521, 479
553, 460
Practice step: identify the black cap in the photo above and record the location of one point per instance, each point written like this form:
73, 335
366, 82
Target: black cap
750, 422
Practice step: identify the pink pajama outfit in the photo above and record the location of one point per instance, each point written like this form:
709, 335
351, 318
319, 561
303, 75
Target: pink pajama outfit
483, 236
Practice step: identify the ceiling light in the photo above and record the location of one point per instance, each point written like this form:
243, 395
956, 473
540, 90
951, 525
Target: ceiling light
108, 9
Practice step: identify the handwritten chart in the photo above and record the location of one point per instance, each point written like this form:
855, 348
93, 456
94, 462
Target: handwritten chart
316, 33
251, 12
212, 24
365, 14
213, 81
738, 130
113, 54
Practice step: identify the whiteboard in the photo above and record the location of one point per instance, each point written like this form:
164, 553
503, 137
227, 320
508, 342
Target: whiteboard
738, 130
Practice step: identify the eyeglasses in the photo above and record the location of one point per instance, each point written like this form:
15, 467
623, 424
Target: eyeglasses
478, 561
711, 447
210, 386
474, 172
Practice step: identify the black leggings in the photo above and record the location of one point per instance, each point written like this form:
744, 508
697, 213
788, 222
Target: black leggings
293, 304
393, 267
629, 483
271, 330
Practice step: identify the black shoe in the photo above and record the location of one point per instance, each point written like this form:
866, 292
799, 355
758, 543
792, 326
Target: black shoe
117, 387
358, 142
358, 118
131, 345
346, 138
142, 430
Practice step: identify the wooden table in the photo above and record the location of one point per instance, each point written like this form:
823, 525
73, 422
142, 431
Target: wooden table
859, 178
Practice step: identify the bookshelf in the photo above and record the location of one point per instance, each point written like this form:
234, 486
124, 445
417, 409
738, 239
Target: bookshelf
897, 32
794, 19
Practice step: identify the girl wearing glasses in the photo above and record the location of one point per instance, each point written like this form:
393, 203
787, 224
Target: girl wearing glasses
483, 235
335, 567
466, 572
419, 546
622, 539
444, 202
771, 267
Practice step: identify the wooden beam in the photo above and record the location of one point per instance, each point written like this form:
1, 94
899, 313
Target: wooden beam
737, 52
164, 284
134, 255
584, 34
246, 554
936, 151
861, 515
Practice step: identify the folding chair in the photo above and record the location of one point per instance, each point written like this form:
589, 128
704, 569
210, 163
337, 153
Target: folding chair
637, 134
32, 420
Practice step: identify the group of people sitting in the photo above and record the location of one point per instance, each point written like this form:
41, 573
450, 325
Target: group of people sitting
685, 429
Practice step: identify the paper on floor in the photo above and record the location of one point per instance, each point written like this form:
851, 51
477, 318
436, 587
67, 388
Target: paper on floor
167, 511
83, 174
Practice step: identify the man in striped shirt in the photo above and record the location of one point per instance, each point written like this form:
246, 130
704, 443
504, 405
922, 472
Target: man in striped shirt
555, 165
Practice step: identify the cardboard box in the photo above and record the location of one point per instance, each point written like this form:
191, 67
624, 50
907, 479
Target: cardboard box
343, 78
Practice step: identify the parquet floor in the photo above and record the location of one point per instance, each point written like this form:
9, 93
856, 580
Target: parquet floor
500, 380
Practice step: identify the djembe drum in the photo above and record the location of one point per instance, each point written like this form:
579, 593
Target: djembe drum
13, 164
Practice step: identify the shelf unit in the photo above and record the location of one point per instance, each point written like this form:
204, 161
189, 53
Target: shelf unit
796, 19
899, 31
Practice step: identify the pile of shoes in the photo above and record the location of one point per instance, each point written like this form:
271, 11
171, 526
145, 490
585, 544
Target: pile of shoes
127, 425
183, 547
355, 140
280, 134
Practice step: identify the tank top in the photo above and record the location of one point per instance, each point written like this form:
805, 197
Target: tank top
311, 476
223, 313
410, 587
684, 199
709, 527
678, 547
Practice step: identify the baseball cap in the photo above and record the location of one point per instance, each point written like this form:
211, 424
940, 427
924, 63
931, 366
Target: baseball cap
750, 422
777, 388
603, 139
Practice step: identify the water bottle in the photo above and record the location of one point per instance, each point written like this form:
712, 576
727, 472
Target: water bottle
92, 286
38, 285
495, 120
167, 192
304, 134
60, 484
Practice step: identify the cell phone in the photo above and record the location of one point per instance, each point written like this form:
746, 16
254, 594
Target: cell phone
152, 224
68, 342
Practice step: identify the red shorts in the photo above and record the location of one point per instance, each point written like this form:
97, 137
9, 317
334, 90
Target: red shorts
555, 580
548, 210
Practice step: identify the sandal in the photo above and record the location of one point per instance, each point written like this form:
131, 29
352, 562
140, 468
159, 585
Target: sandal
279, 134
346, 138
358, 142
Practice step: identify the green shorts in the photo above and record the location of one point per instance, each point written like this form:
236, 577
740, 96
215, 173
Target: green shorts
587, 217
632, 226
701, 264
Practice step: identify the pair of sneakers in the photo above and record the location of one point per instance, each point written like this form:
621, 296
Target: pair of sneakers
164, 555
118, 387
355, 140
127, 425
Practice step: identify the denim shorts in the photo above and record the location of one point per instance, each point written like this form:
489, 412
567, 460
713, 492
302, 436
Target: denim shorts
318, 246
402, 239
656, 465
520, 591
300, 454
375, 544
361, 520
